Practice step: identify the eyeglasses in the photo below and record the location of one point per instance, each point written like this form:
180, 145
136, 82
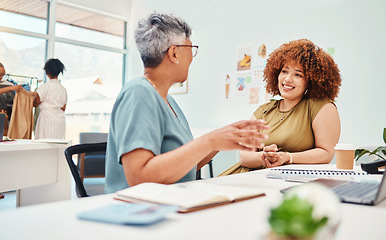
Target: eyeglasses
194, 48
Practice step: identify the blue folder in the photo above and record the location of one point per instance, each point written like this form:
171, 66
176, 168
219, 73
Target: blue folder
128, 213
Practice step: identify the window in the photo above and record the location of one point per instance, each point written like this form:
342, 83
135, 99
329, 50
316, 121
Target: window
93, 79
91, 27
27, 15
91, 45
22, 55
84, 61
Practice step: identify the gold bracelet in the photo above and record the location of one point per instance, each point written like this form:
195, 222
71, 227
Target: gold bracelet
290, 161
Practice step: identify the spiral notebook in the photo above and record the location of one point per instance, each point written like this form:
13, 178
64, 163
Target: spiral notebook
306, 175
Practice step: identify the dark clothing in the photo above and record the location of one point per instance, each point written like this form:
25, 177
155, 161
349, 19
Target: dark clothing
6, 100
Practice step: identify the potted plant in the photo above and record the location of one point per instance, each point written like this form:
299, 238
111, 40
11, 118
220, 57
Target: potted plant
306, 212
379, 151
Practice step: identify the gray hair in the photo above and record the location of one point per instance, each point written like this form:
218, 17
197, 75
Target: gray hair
156, 33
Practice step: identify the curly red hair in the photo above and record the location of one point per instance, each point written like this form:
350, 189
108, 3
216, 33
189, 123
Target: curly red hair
319, 67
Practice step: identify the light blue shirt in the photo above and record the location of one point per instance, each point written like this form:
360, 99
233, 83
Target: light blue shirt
142, 119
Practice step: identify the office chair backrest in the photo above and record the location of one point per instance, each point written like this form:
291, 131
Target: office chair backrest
92, 137
92, 165
78, 149
210, 165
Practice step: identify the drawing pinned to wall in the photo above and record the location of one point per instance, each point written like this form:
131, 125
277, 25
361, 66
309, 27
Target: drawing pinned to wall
178, 88
260, 53
244, 58
227, 85
257, 75
254, 95
248, 80
331, 51
241, 83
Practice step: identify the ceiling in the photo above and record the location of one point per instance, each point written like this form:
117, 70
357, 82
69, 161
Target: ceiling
66, 15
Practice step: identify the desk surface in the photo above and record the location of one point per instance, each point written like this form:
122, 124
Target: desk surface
243, 220
26, 144
38, 171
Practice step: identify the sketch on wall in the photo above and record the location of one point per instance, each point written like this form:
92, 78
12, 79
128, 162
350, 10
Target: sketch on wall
242, 81
259, 55
247, 81
227, 85
254, 93
244, 58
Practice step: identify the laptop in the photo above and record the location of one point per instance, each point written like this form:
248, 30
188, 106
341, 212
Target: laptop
364, 193
2, 122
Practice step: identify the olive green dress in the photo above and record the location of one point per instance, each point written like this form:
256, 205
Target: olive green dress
290, 130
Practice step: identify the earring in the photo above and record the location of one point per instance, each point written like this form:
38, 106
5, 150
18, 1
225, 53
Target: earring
177, 61
306, 92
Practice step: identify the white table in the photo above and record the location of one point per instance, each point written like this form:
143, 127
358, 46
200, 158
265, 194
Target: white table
38, 171
244, 220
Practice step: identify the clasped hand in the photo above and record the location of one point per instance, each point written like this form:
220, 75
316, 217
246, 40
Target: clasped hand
272, 157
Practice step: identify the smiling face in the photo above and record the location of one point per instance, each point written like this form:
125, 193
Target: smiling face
292, 82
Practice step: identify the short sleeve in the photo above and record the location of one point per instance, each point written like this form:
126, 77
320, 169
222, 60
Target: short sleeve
259, 113
316, 105
42, 92
138, 121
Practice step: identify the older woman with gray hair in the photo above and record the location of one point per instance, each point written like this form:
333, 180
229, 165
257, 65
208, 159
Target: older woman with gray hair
149, 138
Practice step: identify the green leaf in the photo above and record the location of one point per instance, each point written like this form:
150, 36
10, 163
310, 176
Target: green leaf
294, 218
360, 152
384, 135
378, 149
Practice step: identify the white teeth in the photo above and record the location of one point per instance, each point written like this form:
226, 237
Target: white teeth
287, 87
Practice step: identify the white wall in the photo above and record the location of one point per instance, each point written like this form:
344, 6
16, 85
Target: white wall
355, 28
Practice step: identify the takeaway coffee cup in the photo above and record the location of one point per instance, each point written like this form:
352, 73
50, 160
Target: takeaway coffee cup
344, 156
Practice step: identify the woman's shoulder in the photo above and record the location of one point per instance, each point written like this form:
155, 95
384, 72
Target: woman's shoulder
265, 108
269, 105
137, 83
316, 103
138, 88
313, 106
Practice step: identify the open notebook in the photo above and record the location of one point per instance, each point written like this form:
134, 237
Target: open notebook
189, 196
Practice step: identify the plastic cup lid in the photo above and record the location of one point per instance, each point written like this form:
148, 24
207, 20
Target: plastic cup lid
341, 146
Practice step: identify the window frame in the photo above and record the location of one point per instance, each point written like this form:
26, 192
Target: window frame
51, 38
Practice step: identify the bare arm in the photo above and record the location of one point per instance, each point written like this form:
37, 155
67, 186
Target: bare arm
326, 128
206, 159
10, 88
141, 165
251, 159
36, 100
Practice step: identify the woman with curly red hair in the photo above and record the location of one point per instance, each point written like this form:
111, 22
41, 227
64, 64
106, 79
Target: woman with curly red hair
304, 123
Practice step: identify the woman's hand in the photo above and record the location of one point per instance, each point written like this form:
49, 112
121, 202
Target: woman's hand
272, 158
242, 135
16, 87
